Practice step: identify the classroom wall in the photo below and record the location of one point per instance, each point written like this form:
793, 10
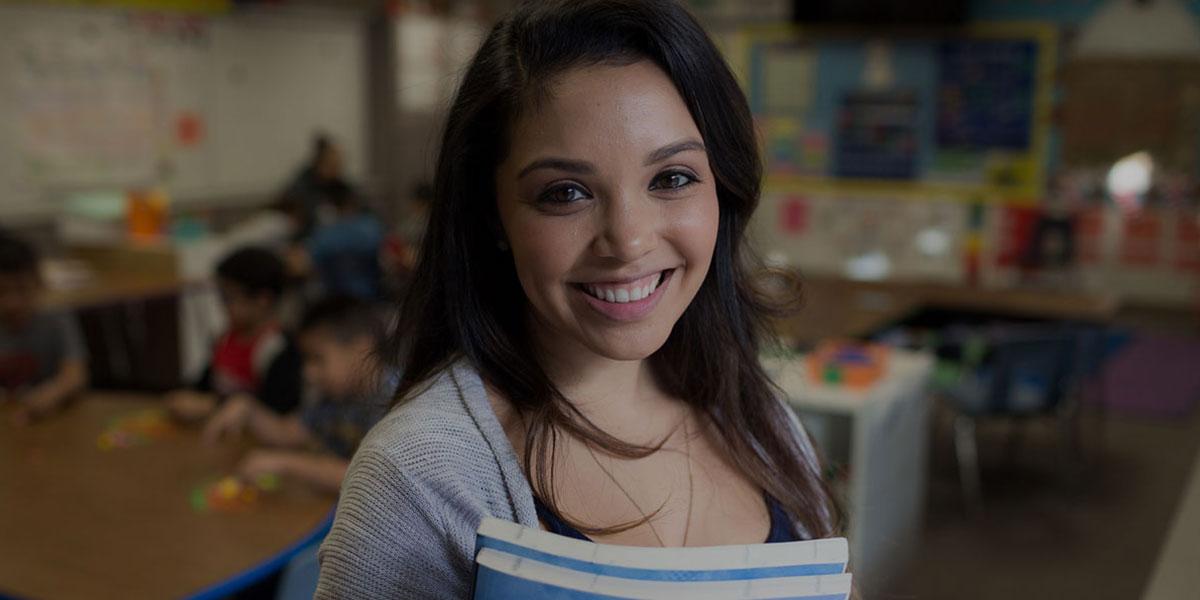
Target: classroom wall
211, 108
897, 230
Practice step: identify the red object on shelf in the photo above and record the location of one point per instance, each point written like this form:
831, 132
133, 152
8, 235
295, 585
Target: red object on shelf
1187, 243
1141, 239
1089, 225
1016, 233
793, 218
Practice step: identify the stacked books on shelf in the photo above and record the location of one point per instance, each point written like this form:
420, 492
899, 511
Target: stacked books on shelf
513, 561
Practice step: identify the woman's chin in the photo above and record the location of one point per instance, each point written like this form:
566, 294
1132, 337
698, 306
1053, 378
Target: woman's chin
628, 348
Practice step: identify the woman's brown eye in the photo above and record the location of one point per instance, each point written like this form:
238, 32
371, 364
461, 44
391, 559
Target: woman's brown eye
672, 181
564, 194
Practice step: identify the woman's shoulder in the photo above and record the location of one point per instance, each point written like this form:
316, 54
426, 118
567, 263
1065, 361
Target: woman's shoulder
416, 490
433, 427
445, 442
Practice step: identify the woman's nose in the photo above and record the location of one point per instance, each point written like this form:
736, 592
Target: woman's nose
629, 228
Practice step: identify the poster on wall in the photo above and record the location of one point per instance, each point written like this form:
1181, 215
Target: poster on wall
877, 135
985, 94
87, 108
917, 117
793, 215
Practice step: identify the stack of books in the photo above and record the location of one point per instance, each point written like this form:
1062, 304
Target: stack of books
513, 561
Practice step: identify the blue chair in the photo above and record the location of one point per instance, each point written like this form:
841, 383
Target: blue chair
299, 579
1020, 372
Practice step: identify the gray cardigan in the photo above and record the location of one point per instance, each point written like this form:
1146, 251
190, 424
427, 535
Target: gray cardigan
417, 489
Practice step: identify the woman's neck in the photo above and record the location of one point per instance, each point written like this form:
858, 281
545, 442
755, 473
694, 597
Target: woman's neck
622, 397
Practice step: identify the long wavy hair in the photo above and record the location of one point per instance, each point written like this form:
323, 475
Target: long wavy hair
465, 300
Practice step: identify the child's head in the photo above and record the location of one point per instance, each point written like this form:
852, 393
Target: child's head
342, 197
19, 280
251, 281
339, 337
327, 158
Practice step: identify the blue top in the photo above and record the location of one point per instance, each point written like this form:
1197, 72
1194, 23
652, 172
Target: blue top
346, 255
781, 526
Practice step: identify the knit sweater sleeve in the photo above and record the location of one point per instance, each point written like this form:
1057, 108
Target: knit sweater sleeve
389, 538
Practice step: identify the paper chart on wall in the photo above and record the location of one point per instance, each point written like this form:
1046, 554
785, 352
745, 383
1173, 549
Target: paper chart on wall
86, 106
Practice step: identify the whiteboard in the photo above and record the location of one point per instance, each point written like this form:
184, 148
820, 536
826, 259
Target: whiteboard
207, 107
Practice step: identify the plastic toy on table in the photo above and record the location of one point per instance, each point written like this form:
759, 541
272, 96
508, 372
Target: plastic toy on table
852, 364
135, 429
231, 493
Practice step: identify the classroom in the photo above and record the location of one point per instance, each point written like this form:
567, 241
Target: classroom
245, 245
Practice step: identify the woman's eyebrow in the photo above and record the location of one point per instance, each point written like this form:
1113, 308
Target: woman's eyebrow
672, 149
577, 167
581, 167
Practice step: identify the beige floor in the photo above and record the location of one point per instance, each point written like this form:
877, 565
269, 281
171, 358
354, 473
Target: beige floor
1175, 574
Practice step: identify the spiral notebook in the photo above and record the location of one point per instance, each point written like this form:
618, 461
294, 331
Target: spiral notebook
513, 561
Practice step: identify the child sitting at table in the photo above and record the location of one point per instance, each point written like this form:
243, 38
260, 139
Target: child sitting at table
254, 358
340, 338
43, 361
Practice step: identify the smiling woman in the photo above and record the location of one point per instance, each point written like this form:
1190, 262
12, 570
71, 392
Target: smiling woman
609, 205
580, 342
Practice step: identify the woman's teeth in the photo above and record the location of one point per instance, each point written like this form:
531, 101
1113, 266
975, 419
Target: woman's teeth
628, 292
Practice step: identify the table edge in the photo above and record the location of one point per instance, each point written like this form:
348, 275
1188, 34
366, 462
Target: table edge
260, 571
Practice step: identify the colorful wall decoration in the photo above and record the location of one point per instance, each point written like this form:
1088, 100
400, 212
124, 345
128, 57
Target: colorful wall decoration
962, 116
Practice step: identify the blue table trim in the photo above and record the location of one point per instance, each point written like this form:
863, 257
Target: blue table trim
262, 570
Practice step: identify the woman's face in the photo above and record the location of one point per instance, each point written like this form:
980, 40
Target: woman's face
609, 207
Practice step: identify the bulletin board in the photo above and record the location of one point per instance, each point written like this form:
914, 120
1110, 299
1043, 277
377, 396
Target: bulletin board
958, 117
206, 106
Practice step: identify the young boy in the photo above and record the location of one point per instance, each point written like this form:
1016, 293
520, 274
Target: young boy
253, 358
339, 338
43, 360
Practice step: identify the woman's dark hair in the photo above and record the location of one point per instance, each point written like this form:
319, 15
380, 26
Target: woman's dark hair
466, 302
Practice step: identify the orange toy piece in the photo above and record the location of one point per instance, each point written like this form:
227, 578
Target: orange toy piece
230, 493
852, 364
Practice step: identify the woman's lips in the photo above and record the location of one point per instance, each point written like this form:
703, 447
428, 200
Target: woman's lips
626, 301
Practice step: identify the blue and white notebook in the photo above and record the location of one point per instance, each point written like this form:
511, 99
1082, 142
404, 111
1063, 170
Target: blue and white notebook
513, 561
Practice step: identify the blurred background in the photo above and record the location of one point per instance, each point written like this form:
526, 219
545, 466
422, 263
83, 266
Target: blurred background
994, 207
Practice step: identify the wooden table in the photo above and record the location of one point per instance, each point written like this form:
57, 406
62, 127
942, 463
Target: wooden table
120, 273
835, 307
79, 522
113, 288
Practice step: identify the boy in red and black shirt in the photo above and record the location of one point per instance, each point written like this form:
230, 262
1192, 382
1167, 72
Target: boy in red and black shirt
254, 357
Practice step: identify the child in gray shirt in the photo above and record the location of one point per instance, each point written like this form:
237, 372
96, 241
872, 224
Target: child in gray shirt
43, 361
